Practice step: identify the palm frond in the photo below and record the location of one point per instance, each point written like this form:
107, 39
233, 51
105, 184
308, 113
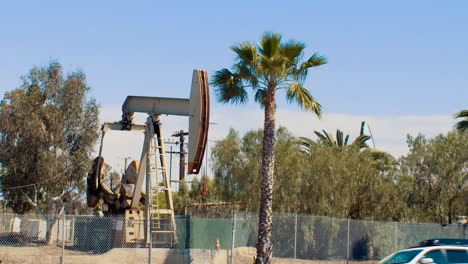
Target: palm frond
246, 62
292, 50
341, 141
306, 145
329, 138
246, 52
270, 45
461, 114
314, 61
229, 87
303, 98
246, 73
360, 141
275, 69
325, 138
260, 96
339, 138
320, 136
462, 125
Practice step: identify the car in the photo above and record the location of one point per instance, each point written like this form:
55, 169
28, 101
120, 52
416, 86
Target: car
438, 251
444, 241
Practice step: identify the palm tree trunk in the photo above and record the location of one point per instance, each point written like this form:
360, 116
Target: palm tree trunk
264, 247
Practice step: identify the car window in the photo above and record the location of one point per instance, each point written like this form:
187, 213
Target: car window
457, 256
402, 257
437, 255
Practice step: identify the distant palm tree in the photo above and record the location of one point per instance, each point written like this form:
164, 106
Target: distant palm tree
267, 67
462, 124
326, 138
340, 141
308, 145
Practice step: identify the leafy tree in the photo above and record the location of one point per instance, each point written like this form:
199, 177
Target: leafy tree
182, 198
438, 171
237, 175
48, 128
266, 68
237, 169
208, 185
462, 124
350, 184
227, 162
290, 169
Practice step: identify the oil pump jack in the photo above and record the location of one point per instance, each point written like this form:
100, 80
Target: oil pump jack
128, 197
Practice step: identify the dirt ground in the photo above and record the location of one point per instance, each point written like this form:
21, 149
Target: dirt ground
46, 255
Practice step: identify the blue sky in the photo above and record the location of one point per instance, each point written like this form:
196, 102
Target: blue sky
397, 57
387, 60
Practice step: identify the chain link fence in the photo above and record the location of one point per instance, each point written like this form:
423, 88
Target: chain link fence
324, 238
89, 239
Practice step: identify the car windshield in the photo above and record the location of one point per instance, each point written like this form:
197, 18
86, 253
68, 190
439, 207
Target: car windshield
402, 257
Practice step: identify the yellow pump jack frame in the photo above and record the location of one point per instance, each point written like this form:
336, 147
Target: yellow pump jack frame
133, 217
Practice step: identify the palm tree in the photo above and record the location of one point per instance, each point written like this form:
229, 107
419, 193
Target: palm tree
307, 144
462, 125
340, 141
267, 67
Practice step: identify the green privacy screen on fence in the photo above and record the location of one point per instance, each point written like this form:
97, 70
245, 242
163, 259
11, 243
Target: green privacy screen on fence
205, 231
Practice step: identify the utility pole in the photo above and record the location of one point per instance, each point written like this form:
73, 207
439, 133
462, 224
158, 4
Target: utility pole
370, 131
125, 166
170, 157
181, 134
170, 167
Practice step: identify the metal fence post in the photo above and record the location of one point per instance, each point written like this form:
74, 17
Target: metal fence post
150, 234
63, 238
464, 230
233, 241
347, 242
295, 236
396, 237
